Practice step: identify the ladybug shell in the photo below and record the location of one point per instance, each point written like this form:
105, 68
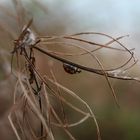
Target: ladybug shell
71, 69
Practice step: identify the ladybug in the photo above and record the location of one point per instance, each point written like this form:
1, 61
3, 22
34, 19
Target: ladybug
71, 69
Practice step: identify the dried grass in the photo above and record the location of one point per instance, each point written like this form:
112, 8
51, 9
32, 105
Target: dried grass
33, 93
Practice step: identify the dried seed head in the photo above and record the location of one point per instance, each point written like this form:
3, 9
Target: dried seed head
29, 38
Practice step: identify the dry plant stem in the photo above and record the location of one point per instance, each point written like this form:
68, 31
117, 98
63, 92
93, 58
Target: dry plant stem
87, 115
17, 104
106, 76
93, 43
39, 99
96, 71
35, 108
61, 123
98, 132
59, 98
44, 40
76, 45
85, 41
30, 90
56, 116
128, 68
66, 125
30, 129
24, 116
103, 35
13, 109
45, 93
73, 107
26, 109
50, 40
51, 110
72, 124
20, 124
89, 52
104, 73
13, 126
17, 46
82, 101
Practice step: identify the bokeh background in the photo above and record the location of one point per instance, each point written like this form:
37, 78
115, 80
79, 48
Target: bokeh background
59, 17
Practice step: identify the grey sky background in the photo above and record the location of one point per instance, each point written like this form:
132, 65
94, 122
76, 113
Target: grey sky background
113, 17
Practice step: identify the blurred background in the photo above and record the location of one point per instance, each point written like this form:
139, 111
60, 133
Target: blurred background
61, 17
